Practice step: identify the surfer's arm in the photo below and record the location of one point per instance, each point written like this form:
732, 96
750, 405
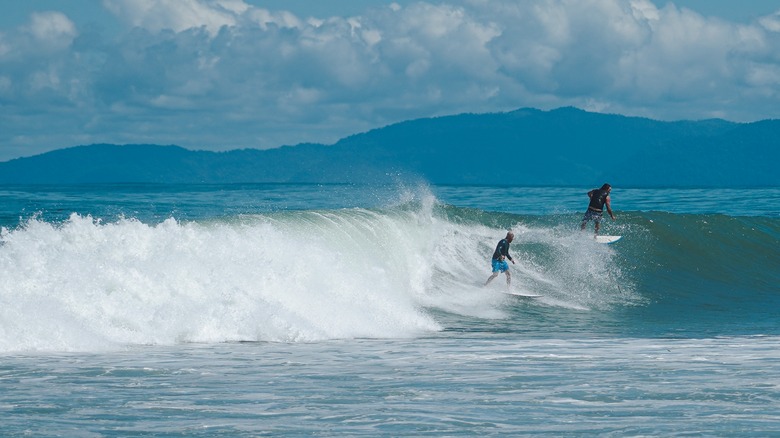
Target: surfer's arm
509, 256
609, 208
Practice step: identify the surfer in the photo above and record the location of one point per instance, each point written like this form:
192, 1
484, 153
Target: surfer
499, 259
598, 199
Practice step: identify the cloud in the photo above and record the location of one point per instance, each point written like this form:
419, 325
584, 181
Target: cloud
222, 74
53, 29
771, 22
177, 15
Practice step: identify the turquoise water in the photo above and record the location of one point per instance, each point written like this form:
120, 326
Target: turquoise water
333, 310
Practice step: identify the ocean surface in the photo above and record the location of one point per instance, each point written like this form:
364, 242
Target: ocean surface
342, 310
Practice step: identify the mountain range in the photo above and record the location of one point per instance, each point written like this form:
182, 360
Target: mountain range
561, 147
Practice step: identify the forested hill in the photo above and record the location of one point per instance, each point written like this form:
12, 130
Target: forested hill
566, 146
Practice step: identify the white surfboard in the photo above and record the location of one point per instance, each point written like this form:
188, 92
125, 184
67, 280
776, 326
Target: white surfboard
607, 239
515, 294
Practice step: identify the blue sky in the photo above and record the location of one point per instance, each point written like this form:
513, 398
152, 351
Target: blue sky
229, 74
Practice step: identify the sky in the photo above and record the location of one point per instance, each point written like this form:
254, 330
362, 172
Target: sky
232, 74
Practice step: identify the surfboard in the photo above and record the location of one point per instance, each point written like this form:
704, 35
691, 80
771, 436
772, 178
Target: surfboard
515, 294
607, 239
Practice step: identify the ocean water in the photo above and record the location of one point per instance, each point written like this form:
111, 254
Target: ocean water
332, 310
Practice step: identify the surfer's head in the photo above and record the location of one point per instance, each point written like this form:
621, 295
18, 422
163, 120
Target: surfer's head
606, 187
509, 236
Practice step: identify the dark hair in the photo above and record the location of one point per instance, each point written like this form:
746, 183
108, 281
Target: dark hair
606, 186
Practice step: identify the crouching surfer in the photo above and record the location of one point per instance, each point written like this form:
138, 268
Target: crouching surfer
499, 259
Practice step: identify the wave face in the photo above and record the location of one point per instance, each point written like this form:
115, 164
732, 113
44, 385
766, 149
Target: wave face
406, 270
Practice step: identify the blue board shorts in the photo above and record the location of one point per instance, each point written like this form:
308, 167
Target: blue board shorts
500, 265
592, 215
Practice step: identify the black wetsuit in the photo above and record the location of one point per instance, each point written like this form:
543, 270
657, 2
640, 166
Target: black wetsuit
502, 249
598, 198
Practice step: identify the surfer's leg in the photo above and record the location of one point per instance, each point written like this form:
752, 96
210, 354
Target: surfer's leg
508, 278
495, 274
597, 220
587, 217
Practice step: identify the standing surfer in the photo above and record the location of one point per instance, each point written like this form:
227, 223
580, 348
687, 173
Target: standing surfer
598, 199
499, 259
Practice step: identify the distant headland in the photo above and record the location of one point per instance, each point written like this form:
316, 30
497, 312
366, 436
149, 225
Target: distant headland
561, 147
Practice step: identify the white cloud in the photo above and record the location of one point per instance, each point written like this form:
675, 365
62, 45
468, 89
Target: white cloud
223, 73
212, 15
771, 22
52, 28
177, 15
